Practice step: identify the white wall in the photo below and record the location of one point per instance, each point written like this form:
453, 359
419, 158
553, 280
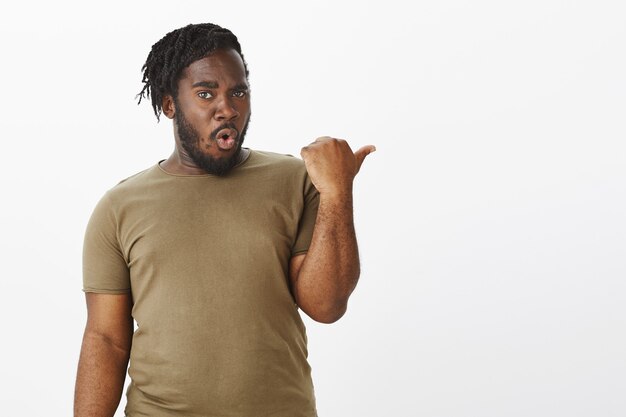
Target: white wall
491, 219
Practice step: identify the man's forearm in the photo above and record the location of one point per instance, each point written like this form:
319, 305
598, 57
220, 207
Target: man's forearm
100, 378
331, 269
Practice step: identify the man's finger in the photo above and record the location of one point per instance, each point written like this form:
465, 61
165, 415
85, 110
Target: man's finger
362, 153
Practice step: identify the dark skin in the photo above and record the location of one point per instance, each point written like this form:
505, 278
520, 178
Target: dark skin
104, 355
211, 91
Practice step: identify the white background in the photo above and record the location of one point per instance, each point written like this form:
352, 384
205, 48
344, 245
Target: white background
491, 220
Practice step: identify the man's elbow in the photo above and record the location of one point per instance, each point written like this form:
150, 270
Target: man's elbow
327, 314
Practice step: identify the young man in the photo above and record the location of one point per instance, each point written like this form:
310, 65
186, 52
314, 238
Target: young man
212, 251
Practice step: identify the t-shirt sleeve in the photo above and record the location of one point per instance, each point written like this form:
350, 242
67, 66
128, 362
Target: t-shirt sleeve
307, 221
104, 268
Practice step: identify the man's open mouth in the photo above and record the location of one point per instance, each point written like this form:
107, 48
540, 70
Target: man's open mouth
226, 138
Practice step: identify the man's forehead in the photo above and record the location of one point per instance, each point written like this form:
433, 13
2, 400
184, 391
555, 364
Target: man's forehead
220, 64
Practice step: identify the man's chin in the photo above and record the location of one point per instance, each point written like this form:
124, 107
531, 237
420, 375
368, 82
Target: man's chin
218, 166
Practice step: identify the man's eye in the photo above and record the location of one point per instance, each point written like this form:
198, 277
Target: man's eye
239, 94
204, 94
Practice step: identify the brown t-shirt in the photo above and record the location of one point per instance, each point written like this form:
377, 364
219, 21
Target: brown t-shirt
206, 260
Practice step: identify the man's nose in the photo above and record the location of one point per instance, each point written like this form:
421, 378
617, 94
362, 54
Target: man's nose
226, 110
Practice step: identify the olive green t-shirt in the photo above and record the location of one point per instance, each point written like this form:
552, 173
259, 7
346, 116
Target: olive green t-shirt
206, 261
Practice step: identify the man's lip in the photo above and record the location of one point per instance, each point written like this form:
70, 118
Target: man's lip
227, 133
227, 143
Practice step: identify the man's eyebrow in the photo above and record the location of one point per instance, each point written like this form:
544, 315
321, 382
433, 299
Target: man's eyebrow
205, 84
240, 87
213, 84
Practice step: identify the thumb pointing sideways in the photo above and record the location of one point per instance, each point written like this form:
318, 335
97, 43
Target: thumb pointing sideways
362, 153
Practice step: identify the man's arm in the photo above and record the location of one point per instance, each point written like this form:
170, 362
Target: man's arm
104, 355
323, 279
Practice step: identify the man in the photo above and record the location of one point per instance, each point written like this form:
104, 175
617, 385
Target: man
212, 251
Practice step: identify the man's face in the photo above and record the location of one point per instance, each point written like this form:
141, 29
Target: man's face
212, 111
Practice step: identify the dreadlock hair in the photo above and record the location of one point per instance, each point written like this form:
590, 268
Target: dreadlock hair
176, 51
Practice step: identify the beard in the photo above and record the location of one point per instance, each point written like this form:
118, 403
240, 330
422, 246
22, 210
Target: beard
190, 141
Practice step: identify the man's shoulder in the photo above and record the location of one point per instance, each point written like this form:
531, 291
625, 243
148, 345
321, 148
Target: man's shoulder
135, 178
132, 183
277, 160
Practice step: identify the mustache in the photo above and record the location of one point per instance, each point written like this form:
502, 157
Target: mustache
227, 125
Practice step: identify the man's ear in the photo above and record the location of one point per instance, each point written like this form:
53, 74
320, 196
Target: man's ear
169, 109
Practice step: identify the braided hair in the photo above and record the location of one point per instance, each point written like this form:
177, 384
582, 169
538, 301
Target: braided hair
176, 51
